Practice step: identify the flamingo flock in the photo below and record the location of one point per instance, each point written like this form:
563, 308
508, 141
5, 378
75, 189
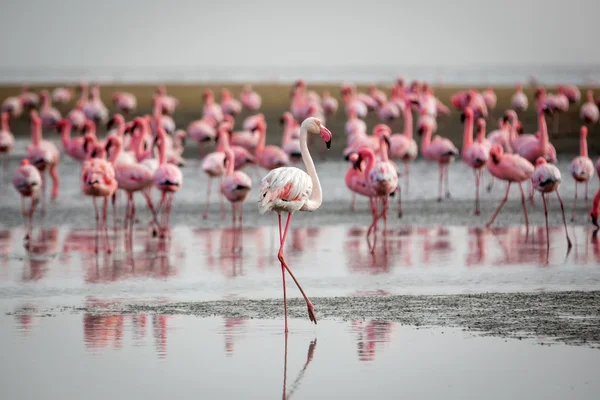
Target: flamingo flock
144, 153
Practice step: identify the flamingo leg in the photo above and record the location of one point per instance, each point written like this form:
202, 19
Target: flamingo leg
43, 174
309, 305
562, 208
446, 171
546, 216
352, 203
399, 201
24, 213
55, 181
233, 229
575, 203
146, 194
114, 208
491, 221
105, 223
31, 210
586, 192
406, 172
491, 185
477, 177
441, 172
524, 205
97, 222
205, 214
223, 213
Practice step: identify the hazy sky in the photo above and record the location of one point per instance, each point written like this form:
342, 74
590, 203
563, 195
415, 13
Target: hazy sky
183, 33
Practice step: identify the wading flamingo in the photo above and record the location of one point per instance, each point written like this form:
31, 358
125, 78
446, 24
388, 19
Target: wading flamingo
589, 112
474, 154
511, 168
73, 147
49, 115
288, 189
440, 150
596, 204
27, 180
250, 99
44, 156
356, 181
519, 101
402, 146
581, 168
269, 157
7, 140
235, 187
125, 102
168, 179
229, 105
546, 179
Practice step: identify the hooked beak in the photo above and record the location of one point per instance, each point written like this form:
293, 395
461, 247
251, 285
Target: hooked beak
110, 123
595, 220
420, 131
387, 141
326, 136
357, 163
505, 118
463, 116
520, 130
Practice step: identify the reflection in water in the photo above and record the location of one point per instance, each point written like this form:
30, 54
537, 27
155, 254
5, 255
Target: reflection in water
233, 328
370, 335
159, 331
296, 383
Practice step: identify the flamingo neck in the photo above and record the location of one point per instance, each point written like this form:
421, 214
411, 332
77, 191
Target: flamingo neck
370, 160
36, 133
5, 126
468, 135
223, 141
383, 149
583, 148
426, 140
408, 121
162, 149
260, 146
544, 140
317, 194
116, 152
65, 135
230, 160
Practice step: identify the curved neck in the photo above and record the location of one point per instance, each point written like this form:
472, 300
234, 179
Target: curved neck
230, 160
5, 126
65, 135
261, 139
408, 121
223, 141
426, 140
116, 152
383, 149
162, 148
583, 150
468, 135
544, 140
36, 133
370, 160
317, 194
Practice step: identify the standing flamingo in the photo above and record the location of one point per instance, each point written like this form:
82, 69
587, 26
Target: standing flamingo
440, 150
589, 112
7, 140
229, 105
288, 189
61, 95
511, 168
98, 180
581, 168
357, 182
214, 166
73, 147
546, 179
519, 101
49, 115
329, 104
235, 187
76, 116
125, 102
167, 178
474, 154
269, 157
250, 99
44, 156
27, 180
402, 146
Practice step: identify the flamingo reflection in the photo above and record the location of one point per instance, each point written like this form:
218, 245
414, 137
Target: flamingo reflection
40, 248
233, 327
370, 334
296, 383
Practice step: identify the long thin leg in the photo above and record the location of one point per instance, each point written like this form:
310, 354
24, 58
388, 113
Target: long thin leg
446, 172
562, 208
500, 206
105, 223
399, 201
309, 305
146, 194
280, 230
586, 192
221, 197
31, 211
205, 214
477, 177
575, 202
234, 231
114, 207
97, 222
441, 172
406, 173
491, 185
546, 216
24, 213
353, 202
43, 174
55, 180
524, 205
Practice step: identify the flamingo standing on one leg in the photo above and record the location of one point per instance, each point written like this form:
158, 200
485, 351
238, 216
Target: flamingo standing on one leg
440, 150
167, 178
511, 168
27, 180
44, 156
235, 187
474, 154
546, 179
288, 189
7, 140
581, 168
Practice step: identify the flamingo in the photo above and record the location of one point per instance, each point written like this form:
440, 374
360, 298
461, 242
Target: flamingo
402, 146
269, 157
511, 168
95, 109
531, 147
291, 142
131, 177
125, 102
76, 116
596, 203
214, 166
44, 155
474, 154
211, 107
27, 180
28, 98
98, 180
589, 111
13, 106
546, 179
377, 95
289, 189
581, 168
235, 187
490, 99
329, 104
167, 178
168, 103
356, 181
501, 136
49, 115
73, 147
440, 150
61, 95
7, 140
229, 105
519, 101
250, 99
202, 130
572, 93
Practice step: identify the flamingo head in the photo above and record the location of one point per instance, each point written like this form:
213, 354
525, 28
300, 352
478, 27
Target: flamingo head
24, 162
540, 93
62, 124
117, 119
466, 114
496, 153
540, 161
208, 94
286, 118
315, 126
481, 125
355, 160
583, 131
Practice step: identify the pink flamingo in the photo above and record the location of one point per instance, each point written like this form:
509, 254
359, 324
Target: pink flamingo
440, 150
168, 103
13, 106
27, 180
211, 107
519, 101
7, 140
229, 105
125, 102
235, 187
572, 93
76, 116
489, 96
289, 189
50, 115
377, 95
474, 154
546, 179
356, 181
329, 104
596, 203
202, 131
72, 146
61, 95
511, 168
28, 98
250, 99
98, 180
167, 178
131, 177
531, 147
94, 108
290, 142
402, 146
44, 156
581, 168
589, 112
269, 157
214, 166
501, 135
127, 157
